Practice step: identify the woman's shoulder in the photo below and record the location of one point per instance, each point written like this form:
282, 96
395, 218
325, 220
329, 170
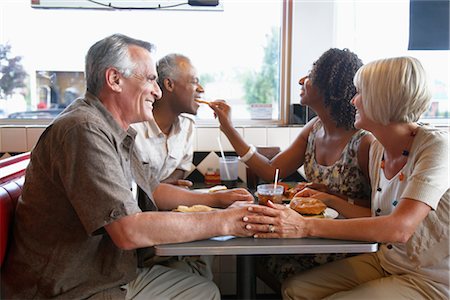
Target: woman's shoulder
433, 133
428, 135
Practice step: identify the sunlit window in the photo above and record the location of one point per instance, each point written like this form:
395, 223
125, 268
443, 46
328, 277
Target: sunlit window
380, 29
235, 50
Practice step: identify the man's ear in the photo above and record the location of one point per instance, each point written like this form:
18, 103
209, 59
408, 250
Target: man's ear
168, 84
113, 79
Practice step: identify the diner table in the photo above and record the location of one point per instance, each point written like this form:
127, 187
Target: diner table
247, 248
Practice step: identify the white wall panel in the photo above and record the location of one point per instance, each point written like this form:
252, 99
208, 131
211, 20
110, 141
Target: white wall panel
14, 139
207, 138
278, 137
256, 136
33, 134
293, 133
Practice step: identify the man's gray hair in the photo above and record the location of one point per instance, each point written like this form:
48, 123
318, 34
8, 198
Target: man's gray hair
167, 67
111, 51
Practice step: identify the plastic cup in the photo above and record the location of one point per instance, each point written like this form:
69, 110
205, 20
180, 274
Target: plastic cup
228, 170
268, 192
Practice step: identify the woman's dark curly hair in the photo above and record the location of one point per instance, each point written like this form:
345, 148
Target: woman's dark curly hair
333, 75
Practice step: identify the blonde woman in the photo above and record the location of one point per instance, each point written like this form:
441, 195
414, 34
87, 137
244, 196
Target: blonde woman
409, 173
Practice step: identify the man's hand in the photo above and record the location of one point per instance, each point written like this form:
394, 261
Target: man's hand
179, 182
227, 197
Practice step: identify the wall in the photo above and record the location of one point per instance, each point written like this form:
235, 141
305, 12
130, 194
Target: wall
22, 138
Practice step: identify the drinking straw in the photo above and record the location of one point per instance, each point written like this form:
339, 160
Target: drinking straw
276, 179
223, 156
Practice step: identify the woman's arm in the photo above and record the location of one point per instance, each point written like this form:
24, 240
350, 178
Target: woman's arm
286, 161
337, 202
397, 227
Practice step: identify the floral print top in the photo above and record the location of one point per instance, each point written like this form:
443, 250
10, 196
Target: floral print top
344, 176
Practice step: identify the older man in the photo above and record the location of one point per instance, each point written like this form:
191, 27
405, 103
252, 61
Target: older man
81, 219
166, 141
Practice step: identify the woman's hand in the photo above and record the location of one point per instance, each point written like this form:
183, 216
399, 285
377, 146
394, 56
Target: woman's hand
233, 220
226, 198
222, 111
276, 221
310, 192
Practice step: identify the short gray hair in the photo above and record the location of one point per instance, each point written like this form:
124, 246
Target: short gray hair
111, 51
167, 66
393, 89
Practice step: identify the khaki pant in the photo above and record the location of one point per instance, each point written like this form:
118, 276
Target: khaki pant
200, 265
359, 277
165, 283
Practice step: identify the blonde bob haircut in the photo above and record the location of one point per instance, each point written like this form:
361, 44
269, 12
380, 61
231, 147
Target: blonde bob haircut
393, 90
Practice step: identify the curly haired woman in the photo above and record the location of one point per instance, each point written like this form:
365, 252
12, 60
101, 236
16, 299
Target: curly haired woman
334, 154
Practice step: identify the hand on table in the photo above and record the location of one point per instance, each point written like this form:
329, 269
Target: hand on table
275, 221
226, 198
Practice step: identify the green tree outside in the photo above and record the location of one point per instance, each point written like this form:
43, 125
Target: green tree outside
263, 86
12, 73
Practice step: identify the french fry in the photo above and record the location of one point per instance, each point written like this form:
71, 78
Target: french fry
201, 101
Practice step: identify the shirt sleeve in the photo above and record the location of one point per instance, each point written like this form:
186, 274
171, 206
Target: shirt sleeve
430, 177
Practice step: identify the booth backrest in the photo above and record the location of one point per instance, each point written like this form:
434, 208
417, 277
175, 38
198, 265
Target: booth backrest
12, 171
13, 167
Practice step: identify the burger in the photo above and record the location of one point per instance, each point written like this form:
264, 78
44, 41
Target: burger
308, 206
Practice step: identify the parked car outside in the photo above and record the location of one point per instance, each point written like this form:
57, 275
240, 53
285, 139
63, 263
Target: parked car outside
36, 114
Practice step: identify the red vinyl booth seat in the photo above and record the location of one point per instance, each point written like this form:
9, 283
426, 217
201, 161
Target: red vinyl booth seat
11, 184
9, 194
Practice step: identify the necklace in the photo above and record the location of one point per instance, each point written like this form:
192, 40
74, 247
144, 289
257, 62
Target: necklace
405, 152
383, 207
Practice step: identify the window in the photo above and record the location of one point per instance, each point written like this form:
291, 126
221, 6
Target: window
376, 30
236, 51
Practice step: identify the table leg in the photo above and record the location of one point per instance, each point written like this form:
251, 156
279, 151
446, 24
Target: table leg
246, 277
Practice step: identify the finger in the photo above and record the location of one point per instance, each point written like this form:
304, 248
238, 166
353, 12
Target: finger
260, 228
183, 182
266, 235
306, 192
265, 210
259, 220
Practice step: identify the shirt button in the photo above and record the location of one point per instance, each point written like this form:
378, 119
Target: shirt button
114, 213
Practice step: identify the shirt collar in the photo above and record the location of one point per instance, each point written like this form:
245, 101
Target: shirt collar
153, 130
117, 130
